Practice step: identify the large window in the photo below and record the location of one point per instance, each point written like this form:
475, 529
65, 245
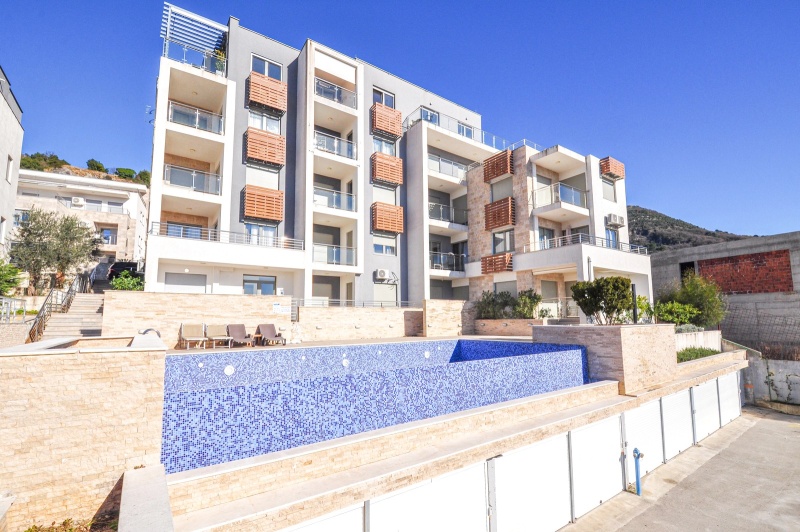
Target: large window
503, 242
430, 116
381, 96
383, 146
262, 235
546, 237
609, 192
612, 235
265, 122
465, 130
268, 68
259, 285
94, 205
502, 189
109, 235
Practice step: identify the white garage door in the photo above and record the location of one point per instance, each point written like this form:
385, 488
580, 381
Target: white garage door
185, 283
451, 502
596, 464
729, 402
532, 487
706, 409
348, 520
677, 412
643, 432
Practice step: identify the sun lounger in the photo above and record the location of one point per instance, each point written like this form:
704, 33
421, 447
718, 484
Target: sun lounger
239, 334
192, 332
268, 333
218, 333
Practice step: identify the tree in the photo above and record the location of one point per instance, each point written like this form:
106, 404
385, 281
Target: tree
9, 278
41, 161
126, 281
704, 295
606, 298
144, 177
125, 173
94, 164
526, 304
674, 312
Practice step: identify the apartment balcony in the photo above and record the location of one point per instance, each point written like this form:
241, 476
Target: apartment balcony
333, 199
446, 265
498, 166
454, 135
335, 93
612, 168
444, 220
193, 40
386, 122
497, 263
387, 169
560, 203
268, 93
500, 213
195, 117
265, 148
195, 180
206, 60
560, 160
334, 145
387, 218
589, 240
108, 240
262, 203
334, 255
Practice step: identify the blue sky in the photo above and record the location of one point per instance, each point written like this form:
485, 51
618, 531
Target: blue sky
700, 100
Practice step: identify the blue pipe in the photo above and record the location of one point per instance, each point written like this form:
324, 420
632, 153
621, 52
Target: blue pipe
636, 456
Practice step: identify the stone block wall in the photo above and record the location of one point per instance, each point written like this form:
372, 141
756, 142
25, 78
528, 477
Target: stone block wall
125, 313
12, 334
447, 318
352, 323
72, 422
754, 273
505, 327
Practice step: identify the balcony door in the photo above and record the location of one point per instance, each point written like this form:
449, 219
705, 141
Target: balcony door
546, 238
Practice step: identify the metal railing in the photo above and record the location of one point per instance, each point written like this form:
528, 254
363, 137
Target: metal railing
335, 145
92, 207
226, 237
448, 167
558, 192
447, 261
12, 310
205, 59
340, 255
564, 307
334, 92
448, 123
57, 301
334, 199
585, 239
446, 213
194, 179
195, 117
526, 142
109, 240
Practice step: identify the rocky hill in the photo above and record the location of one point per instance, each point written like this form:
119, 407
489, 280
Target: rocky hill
660, 232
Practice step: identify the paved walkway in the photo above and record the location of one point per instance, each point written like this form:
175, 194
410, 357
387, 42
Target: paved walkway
745, 476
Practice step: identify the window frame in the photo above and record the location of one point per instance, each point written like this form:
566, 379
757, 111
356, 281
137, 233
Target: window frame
262, 237
260, 281
263, 116
430, 114
383, 143
9, 167
613, 184
612, 237
463, 128
267, 62
383, 93
508, 241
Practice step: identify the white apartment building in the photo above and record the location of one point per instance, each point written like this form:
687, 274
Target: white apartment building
10, 152
313, 174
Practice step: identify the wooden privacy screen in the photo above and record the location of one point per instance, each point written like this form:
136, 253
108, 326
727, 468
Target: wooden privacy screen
387, 218
386, 121
498, 165
501, 262
387, 169
268, 93
610, 167
265, 147
499, 213
263, 203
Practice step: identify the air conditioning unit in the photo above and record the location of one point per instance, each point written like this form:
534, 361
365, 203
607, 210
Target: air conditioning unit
382, 274
279, 291
615, 220
78, 202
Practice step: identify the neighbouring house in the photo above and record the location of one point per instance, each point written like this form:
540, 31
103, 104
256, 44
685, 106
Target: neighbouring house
10, 152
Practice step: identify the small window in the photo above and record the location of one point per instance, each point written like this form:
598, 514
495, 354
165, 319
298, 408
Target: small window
262, 235
503, 242
115, 207
609, 192
464, 130
429, 116
381, 96
384, 146
686, 268
384, 245
94, 205
612, 237
9, 166
262, 285
31, 194
268, 68
502, 189
20, 217
264, 122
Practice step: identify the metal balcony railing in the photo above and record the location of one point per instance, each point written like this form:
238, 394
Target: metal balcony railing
585, 239
109, 240
225, 237
335, 93
331, 144
454, 125
12, 310
339, 255
334, 199
207, 60
195, 117
448, 167
447, 261
194, 179
446, 213
556, 193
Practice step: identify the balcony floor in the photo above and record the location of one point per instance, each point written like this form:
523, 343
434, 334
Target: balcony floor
562, 212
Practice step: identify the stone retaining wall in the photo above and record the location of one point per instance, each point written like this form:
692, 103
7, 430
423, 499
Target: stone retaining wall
506, 327
12, 334
353, 323
442, 317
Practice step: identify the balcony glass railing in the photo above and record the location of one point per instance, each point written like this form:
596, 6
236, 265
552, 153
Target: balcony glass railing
447, 261
335, 93
206, 60
448, 167
454, 125
580, 238
446, 213
335, 145
193, 179
339, 255
195, 117
334, 199
559, 193
225, 237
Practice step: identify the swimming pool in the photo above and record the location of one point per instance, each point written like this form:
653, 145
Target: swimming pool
229, 405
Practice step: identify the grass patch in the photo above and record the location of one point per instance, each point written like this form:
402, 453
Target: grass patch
693, 353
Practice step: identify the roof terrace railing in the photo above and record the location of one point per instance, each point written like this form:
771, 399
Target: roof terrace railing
590, 240
453, 125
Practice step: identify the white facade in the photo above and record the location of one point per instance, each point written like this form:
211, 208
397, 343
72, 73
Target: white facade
10, 152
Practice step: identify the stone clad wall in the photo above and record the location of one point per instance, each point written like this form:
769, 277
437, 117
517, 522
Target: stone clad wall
72, 422
443, 317
13, 334
505, 327
353, 323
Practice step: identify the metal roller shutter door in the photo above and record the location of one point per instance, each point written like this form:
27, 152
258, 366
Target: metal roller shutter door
643, 431
729, 402
677, 412
185, 283
349, 520
532, 487
596, 464
706, 409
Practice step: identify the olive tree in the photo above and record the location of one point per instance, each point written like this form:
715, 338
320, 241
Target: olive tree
606, 299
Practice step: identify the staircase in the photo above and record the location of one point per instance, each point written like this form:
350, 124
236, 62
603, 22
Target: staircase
84, 318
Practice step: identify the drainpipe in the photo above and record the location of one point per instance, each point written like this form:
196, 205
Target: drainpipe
589, 261
636, 456
635, 306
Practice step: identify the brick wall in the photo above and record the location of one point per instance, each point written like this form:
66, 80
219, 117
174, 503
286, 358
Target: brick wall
447, 318
72, 422
125, 313
349, 323
13, 334
755, 273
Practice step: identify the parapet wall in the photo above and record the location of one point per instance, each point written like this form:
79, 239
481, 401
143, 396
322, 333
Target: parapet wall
442, 317
354, 323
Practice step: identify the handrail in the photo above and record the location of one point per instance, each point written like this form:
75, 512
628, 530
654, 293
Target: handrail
448, 167
334, 92
57, 301
581, 238
330, 254
446, 213
558, 192
453, 125
9, 309
335, 145
207, 60
191, 116
335, 199
447, 261
196, 180
191, 232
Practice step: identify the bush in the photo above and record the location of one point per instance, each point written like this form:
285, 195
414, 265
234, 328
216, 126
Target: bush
688, 328
495, 306
526, 304
144, 177
41, 161
674, 312
693, 353
125, 173
704, 295
126, 281
606, 298
94, 164
9, 278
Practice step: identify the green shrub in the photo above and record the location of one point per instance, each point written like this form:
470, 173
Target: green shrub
688, 328
693, 353
545, 313
126, 281
674, 312
94, 164
144, 177
704, 295
126, 173
9, 278
526, 304
495, 306
606, 298
41, 161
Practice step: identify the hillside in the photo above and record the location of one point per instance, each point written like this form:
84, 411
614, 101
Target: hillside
660, 232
